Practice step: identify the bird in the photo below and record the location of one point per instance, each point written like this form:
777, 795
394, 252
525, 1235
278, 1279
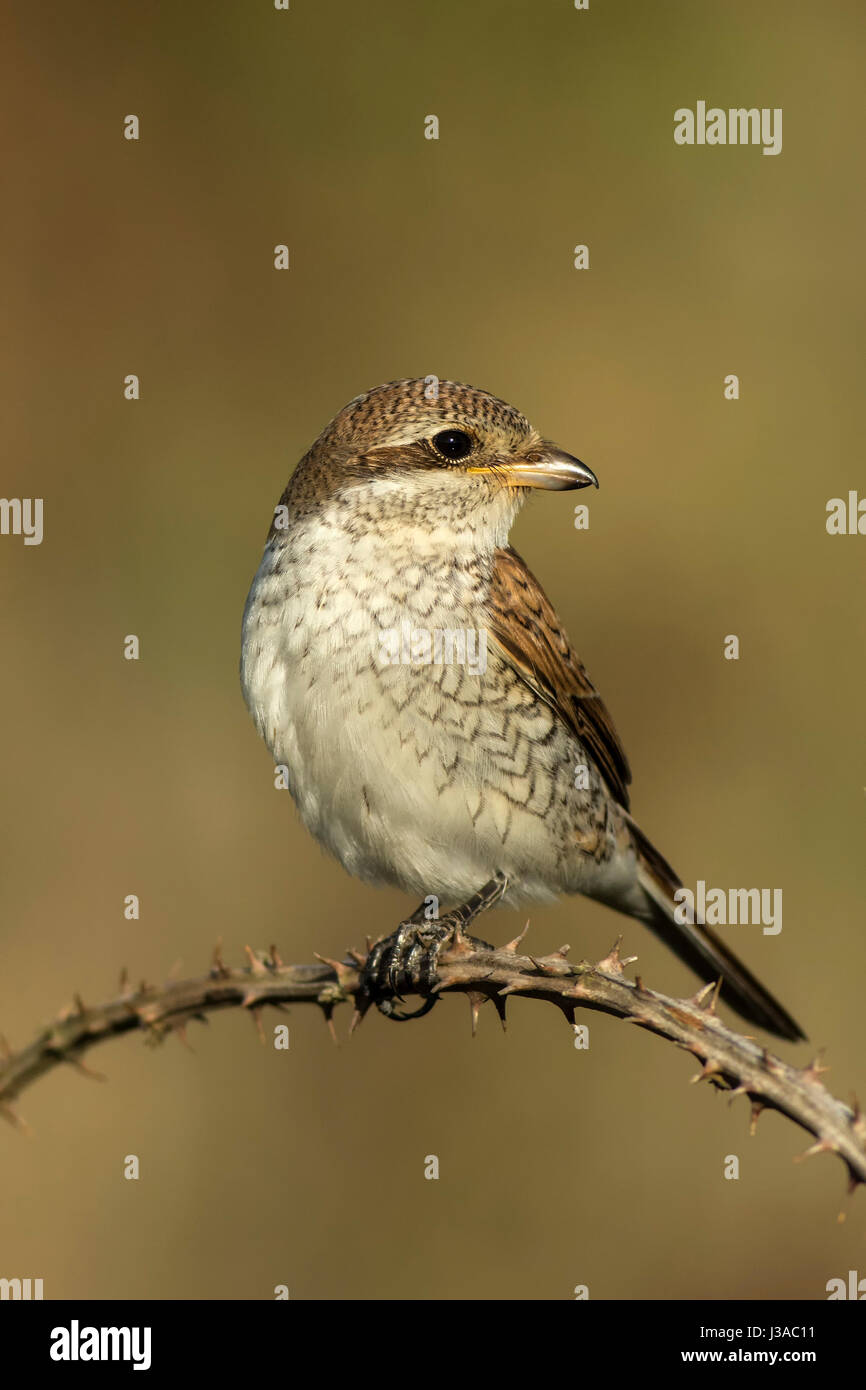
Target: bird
434, 725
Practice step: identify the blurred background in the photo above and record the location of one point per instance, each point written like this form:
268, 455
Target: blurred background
410, 257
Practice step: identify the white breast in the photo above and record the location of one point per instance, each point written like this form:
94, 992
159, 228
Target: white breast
394, 768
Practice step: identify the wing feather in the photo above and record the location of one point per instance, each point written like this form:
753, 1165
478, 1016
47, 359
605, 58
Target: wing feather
528, 634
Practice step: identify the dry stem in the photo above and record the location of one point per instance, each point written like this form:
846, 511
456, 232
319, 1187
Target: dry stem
729, 1060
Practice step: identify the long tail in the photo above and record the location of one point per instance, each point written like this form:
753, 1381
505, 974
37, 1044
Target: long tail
701, 949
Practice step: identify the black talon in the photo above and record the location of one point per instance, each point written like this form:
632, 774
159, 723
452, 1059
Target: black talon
385, 1007
405, 962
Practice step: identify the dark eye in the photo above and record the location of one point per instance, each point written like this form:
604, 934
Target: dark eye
453, 444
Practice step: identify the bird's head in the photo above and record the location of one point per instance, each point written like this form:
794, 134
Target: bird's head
429, 451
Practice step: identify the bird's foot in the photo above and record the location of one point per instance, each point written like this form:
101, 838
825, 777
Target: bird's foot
405, 961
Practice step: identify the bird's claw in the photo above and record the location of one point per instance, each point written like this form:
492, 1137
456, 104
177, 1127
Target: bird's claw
405, 962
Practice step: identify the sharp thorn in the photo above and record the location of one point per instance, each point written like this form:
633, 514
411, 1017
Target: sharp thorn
512, 946
326, 960
257, 967
741, 1090
476, 999
823, 1146
362, 1004
814, 1070
699, 999
15, 1120
709, 1069
611, 963
83, 1068
546, 966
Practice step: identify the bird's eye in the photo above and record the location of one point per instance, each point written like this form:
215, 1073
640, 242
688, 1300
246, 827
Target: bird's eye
453, 444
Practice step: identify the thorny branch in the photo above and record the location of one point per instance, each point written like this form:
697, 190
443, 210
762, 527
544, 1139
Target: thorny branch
728, 1060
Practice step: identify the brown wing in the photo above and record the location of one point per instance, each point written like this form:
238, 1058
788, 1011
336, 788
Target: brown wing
527, 631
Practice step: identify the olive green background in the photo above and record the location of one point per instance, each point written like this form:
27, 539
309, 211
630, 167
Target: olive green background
409, 257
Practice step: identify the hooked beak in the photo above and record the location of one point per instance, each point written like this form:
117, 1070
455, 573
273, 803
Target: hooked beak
545, 467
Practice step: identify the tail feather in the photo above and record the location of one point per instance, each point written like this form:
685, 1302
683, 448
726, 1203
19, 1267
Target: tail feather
701, 949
